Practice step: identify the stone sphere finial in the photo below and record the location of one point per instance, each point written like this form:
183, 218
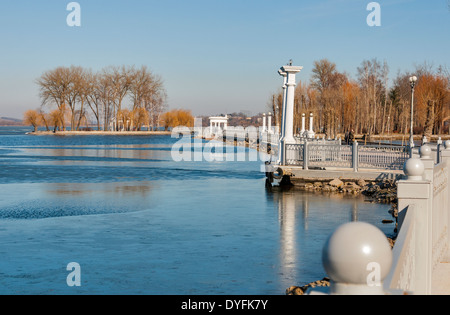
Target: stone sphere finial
425, 152
414, 169
447, 145
352, 253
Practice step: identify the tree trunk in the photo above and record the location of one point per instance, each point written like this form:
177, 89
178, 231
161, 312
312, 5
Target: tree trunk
429, 124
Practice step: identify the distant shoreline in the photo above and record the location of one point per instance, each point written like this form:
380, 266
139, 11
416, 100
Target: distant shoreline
100, 133
373, 138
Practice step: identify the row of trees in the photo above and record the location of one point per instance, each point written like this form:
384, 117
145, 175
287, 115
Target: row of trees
134, 119
122, 97
369, 104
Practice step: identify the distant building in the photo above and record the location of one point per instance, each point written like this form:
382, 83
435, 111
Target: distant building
218, 124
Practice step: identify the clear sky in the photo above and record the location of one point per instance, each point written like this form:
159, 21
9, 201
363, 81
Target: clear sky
215, 56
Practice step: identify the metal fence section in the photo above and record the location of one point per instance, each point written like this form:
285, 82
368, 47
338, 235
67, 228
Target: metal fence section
324, 155
316, 155
295, 154
382, 157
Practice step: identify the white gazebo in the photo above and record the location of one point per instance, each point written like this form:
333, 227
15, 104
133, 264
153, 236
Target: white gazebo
218, 124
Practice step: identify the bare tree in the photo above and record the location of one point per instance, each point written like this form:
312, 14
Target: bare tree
329, 84
121, 80
147, 91
370, 77
106, 94
385, 80
54, 87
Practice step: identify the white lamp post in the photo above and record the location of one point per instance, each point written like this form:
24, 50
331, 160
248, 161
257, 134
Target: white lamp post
412, 81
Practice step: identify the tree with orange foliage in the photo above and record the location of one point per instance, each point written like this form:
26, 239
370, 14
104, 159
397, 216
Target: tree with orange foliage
432, 98
124, 119
350, 112
32, 118
45, 119
56, 119
177, 117
140, 118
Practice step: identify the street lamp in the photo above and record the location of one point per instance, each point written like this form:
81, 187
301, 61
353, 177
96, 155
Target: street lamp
412, 81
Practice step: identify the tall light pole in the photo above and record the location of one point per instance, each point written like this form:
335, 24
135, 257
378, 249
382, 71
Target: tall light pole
412, 81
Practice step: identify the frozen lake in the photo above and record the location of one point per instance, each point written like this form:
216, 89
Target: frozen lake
138, 222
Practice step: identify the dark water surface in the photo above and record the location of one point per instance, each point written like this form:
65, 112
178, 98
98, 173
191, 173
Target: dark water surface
139, 223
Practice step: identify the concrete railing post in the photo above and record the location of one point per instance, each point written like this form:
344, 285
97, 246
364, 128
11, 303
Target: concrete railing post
357, 257
355, 156
310, 133
302, 132
428, 162
306, 156
415, 190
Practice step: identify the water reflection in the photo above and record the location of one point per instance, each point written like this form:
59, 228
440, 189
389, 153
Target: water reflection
355, 210
36, 201
113, 153
105, 190
288, 233
306, 219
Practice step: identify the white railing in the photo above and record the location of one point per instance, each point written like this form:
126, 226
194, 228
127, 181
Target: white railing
314, 154
427, 190
322, 155
295, 154
356, 259
440, 212
402, 273
382, 157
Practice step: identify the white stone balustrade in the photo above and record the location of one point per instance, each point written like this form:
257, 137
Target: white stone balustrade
358, 259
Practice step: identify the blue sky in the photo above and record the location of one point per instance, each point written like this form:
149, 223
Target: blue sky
215, 56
